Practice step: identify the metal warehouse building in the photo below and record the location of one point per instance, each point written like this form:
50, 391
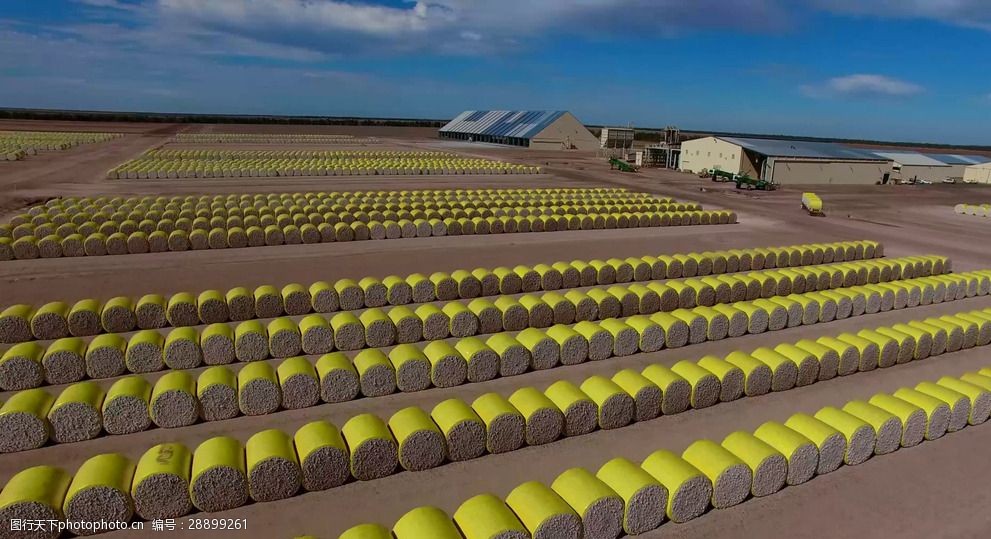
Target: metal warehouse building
786, 162
978, 173
916, 166
539, 129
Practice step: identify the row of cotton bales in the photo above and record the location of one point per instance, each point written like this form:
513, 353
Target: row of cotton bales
167, 164
269, 138
170, 480
68, 359
980, 210
138, 242
19, 144
624, 497
132, 404
19, 323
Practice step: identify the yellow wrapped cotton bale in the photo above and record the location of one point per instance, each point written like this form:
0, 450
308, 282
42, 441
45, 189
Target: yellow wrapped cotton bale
868, 350
425, 522
173, 401
464, 323
887, 426
463, 430
698, 326
160, 487
514, 357
24, 416
800, 453
860, 436
218, 479
363, 531
150, 311
784, 371
600, 508
580, 411
615, 407
889, 348
436, 324
937, 411
299, 383
689, 490
757, 317
807, 364
509, 281
324, 297
99, 491
323, 456
181, 310
544, 421
63, 361
586, 308
240, 304
827, 358
374, 451
117, 315
21, 367
212, 307
732, 380
731, 478
487, 517
644, 497
505, 426
350, 295
349, 332
126, 406
959, 403
543, 512
607, 305
421, 443
912, 419
144, 352
829, 441
705, 385
75, 415
757, 375
250, 341
35, 494
272, 466
48, 322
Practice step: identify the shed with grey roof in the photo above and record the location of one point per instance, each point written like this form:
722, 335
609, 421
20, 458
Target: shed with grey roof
786, 161
540, 129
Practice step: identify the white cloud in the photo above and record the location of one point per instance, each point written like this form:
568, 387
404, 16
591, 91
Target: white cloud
967, 13
862, 85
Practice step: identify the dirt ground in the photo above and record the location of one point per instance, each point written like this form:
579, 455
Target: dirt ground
935, 490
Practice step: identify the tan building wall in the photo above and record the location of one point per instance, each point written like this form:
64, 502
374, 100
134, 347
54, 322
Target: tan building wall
933, 174
799, 172
565, 133
711, 153
978, 173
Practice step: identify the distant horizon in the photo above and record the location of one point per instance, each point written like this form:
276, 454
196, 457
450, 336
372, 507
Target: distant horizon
711, 132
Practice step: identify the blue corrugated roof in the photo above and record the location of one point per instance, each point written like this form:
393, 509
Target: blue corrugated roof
959, 159
798, 148
523, 124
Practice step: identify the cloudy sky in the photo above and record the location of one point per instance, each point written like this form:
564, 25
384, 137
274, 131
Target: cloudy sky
892, 69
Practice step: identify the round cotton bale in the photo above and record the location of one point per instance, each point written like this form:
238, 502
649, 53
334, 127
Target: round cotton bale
464, 323
544, 512
408, 326
938, 412
258, 389
676, 391
316, 335
149, 312
272, 466
800, 453
374, 292
324, 297
240, 304
959, 404
216, 391
768, 467
436, 324
848, 355
173, 401
323, 456
445, 287
731, 478
284, 339
784, 371
105, 356
34, 495
859, 435
48, 322
73, 245
362, 531
644, 497
216, 346
421, 443
586, 308
21, 367
706, 388
181, 310
886, 426
463, 430
376, 374
212, 307
374, 451
268, 302
483, 362
339, 380
868, 351
544, 421
219, 481
732, 380
99, 491
160, 488
24, 417
487, 517
601, 342
504, 424
615, 407
117, 315
349, 332
26, 248
397, 290
580, 411
424, 290
515, 316
63, 361
75, 415
600, 508
299, 383
689, 490
514, 357
830, 442
545, 352
126, 406
447, 367
807, 365
144, 352
571, 347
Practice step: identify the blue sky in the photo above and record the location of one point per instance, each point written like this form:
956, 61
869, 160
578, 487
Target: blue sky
889, 69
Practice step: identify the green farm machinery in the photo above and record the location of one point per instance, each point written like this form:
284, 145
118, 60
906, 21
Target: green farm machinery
622, 166
744, 181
